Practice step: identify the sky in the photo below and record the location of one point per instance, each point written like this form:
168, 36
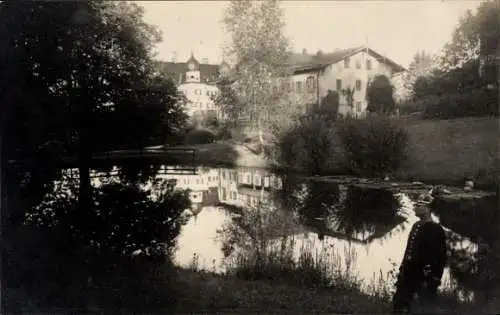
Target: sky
397, 28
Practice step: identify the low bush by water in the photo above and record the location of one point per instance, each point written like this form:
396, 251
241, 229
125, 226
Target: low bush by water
373, 146
370, 147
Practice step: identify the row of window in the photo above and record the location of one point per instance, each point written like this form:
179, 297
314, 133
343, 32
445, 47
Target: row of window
310, 85
187, 181
339, 85
300, 86
208, 93
200, 105
347, 64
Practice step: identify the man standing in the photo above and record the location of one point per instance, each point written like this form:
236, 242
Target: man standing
423, 262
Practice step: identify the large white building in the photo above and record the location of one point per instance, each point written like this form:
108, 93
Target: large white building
197, 80
313, 75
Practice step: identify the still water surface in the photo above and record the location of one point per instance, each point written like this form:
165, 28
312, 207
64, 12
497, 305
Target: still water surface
376, 241
366, 229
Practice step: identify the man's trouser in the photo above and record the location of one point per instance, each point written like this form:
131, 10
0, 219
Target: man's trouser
410, 283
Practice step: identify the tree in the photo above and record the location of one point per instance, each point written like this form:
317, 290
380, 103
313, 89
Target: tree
379, 95
92, 87
348, 93
260, 51
475, 39
330, 103
228, 102
421, 66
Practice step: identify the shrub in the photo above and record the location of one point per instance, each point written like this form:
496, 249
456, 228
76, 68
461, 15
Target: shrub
210, 120
224, 131
456, 105
373, 146
379, 95
411, 107
199, 136
311, 147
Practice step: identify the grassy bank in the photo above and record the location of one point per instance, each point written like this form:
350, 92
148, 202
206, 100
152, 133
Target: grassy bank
203, 291
440, 152
451, 150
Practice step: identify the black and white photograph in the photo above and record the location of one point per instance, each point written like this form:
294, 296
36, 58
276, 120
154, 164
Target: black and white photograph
250, 157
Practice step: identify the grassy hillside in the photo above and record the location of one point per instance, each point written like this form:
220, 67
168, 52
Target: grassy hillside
450, 150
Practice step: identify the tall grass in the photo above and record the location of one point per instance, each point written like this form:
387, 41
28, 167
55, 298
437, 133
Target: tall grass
287, 262
264, 244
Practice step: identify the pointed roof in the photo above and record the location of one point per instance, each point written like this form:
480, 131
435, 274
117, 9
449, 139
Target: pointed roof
192, 59
305, 62
177, 70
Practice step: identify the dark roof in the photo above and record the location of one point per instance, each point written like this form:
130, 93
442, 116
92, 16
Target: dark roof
177, 71
299, 62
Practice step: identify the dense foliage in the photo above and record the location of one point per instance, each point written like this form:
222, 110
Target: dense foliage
61, 250
370, 147
379, 95
373, 146
463, 80
199, 136
329, 104
309, 147
77, 79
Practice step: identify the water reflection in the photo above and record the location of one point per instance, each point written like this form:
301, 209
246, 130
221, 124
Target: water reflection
360, 214
374, 223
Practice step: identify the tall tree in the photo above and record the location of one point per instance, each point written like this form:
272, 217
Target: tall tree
260, 50
77, 79
476, 39
379, 95
421, 66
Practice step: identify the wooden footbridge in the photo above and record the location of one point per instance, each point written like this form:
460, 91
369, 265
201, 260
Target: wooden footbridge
171, 160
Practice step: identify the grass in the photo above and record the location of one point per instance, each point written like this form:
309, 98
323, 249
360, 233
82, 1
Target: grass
274, 288
203, 291
451, 150
279, 284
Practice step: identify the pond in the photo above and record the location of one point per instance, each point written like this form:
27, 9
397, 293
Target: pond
366, 229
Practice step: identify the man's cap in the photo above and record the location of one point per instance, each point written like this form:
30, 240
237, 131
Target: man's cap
424, 199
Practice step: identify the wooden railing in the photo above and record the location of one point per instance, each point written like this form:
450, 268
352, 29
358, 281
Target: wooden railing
151, 156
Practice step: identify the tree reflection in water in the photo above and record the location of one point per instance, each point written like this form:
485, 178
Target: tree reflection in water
360, 214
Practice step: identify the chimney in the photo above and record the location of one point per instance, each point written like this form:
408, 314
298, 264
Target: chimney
204, 60
304, 51
174, 56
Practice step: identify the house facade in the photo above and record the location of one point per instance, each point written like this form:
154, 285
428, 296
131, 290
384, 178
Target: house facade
197, 81
348, 69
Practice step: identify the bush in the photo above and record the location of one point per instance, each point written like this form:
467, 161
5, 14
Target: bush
373, 146
199, 136
224, 131
456, 105
209, 120
411, 107
310, 147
